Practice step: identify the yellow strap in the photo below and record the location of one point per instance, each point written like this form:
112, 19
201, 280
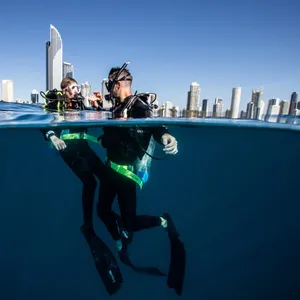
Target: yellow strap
79, 136
127, 173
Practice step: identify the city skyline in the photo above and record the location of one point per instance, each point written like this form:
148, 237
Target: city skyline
176, 48
255, 108
56, 69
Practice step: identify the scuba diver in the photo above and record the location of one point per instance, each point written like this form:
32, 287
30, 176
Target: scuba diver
126, 152
74, 149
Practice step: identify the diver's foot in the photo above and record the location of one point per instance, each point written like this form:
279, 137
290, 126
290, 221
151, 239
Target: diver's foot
122, 248
125, 236
123, 253
170, 226
164, 222
119, 245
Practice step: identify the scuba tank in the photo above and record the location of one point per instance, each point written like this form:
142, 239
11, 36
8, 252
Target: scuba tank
142, 166
55, 100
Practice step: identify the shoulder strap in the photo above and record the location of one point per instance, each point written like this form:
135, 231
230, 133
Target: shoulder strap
130, 103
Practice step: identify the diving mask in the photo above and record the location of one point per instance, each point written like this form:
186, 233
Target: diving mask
73, 88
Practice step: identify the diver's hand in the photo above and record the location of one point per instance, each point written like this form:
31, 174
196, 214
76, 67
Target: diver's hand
170, 144
94, 99
58, 143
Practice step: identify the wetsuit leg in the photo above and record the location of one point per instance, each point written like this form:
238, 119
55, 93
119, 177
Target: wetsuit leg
75, 158
107, 194
127, 200
95, 163
129, 221
79, 159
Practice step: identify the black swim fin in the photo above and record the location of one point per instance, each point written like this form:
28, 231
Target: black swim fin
178, 258
105, 262
124, 256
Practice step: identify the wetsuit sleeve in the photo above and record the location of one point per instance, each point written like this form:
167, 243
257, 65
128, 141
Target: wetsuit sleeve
158, 132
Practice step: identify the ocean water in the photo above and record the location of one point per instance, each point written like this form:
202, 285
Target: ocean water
232, 191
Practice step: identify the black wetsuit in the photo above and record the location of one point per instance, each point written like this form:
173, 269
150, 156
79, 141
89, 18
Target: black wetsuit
124, 145
85, 163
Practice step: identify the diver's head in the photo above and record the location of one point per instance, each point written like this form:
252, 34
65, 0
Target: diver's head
70, 87
120, 83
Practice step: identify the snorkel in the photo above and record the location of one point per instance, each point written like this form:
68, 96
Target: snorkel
111, 83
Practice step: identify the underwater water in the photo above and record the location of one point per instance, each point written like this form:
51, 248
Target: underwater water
232, 191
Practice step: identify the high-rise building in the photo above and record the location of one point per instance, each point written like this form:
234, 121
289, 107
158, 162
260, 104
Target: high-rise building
293, 103
204, 108
168, 109
161, 111
86, 92
54, 60
250, 110
7, 91
68, 70
175, 112
218, 108
259, 110
258, 103
235, 102
34, 96
284, 107
257, 96
243, 114
193, 97
273, 110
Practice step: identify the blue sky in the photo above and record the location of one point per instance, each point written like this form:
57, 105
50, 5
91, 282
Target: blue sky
218, 44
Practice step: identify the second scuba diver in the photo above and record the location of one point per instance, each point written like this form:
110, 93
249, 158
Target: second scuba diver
126, 149
74, 149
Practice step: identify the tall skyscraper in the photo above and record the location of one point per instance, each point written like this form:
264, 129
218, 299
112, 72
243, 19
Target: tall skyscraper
7, 91
250, 110
193, 97
168, 109
293, 103
284, 107
204, 108
235, 102
257, 96
218, 108
34, 96
258, 103
259, 110
273, 110
68, 70
54, 60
